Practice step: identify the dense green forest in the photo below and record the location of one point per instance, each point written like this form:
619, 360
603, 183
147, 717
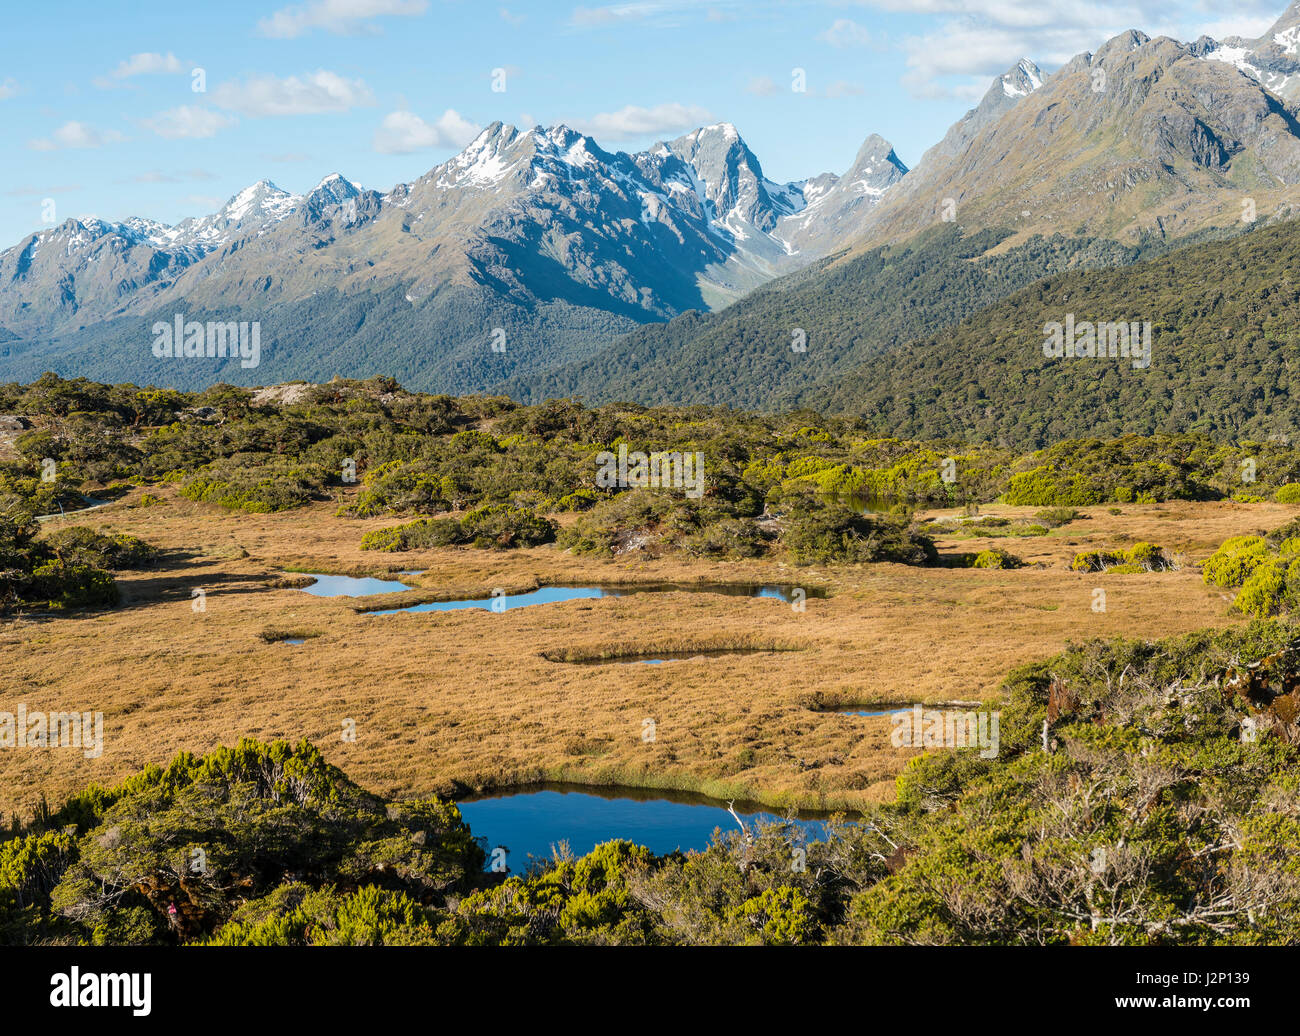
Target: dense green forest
487, 472
851, 310
1226, 326
1143, 793
444, 342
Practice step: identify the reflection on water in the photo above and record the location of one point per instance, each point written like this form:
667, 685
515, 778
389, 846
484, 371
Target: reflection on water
553, 594
880, 709
349, 586
893, 708
529, 822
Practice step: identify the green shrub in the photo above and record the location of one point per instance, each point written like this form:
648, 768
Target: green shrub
817, 532
1053, 517
495, 526
726, 538
1271, 588
1234, 561
579, 500
996, 558
63, 585
1141, 557
1288, 494
501, 527
277, 485
781, 916
82, 546
637, 519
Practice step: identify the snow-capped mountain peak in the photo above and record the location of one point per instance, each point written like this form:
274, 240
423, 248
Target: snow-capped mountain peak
333, 190
1022, 80
255, 209
1272, 60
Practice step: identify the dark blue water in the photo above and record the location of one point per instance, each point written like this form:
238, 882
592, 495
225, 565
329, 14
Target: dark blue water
553, 594
529, 823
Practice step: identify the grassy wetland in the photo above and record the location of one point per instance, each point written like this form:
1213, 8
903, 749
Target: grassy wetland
222, 507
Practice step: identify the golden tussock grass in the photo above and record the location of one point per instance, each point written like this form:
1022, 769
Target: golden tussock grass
456, 701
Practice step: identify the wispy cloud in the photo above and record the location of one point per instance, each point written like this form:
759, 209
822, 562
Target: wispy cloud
974, 40
634, 121
188, 123
342, 17
148, 64
321, 92
402, 132
42, 192
184, 176
762, 86
845, 32
9, 88
661, 11
76, 135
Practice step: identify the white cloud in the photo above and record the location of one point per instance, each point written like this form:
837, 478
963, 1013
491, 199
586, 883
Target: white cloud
343, 17
662, 12
512, 19
974, 40
844, 32
589, 17
188, 123
75, 135
9, 88
762, 86
634, 121
147, 64
402, 132
1242, 24
960, 60
316, 94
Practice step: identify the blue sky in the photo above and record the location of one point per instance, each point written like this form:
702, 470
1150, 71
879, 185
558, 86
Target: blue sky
99, 112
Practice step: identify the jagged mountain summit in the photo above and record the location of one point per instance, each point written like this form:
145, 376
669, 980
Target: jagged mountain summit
1142, 138
1272, 60
1119, 155
837, 207
86, 270
1003, 94
542, 240
540, 232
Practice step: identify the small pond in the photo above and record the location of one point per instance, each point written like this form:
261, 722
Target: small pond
554, 594
893, 708
529, 821
349, 586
